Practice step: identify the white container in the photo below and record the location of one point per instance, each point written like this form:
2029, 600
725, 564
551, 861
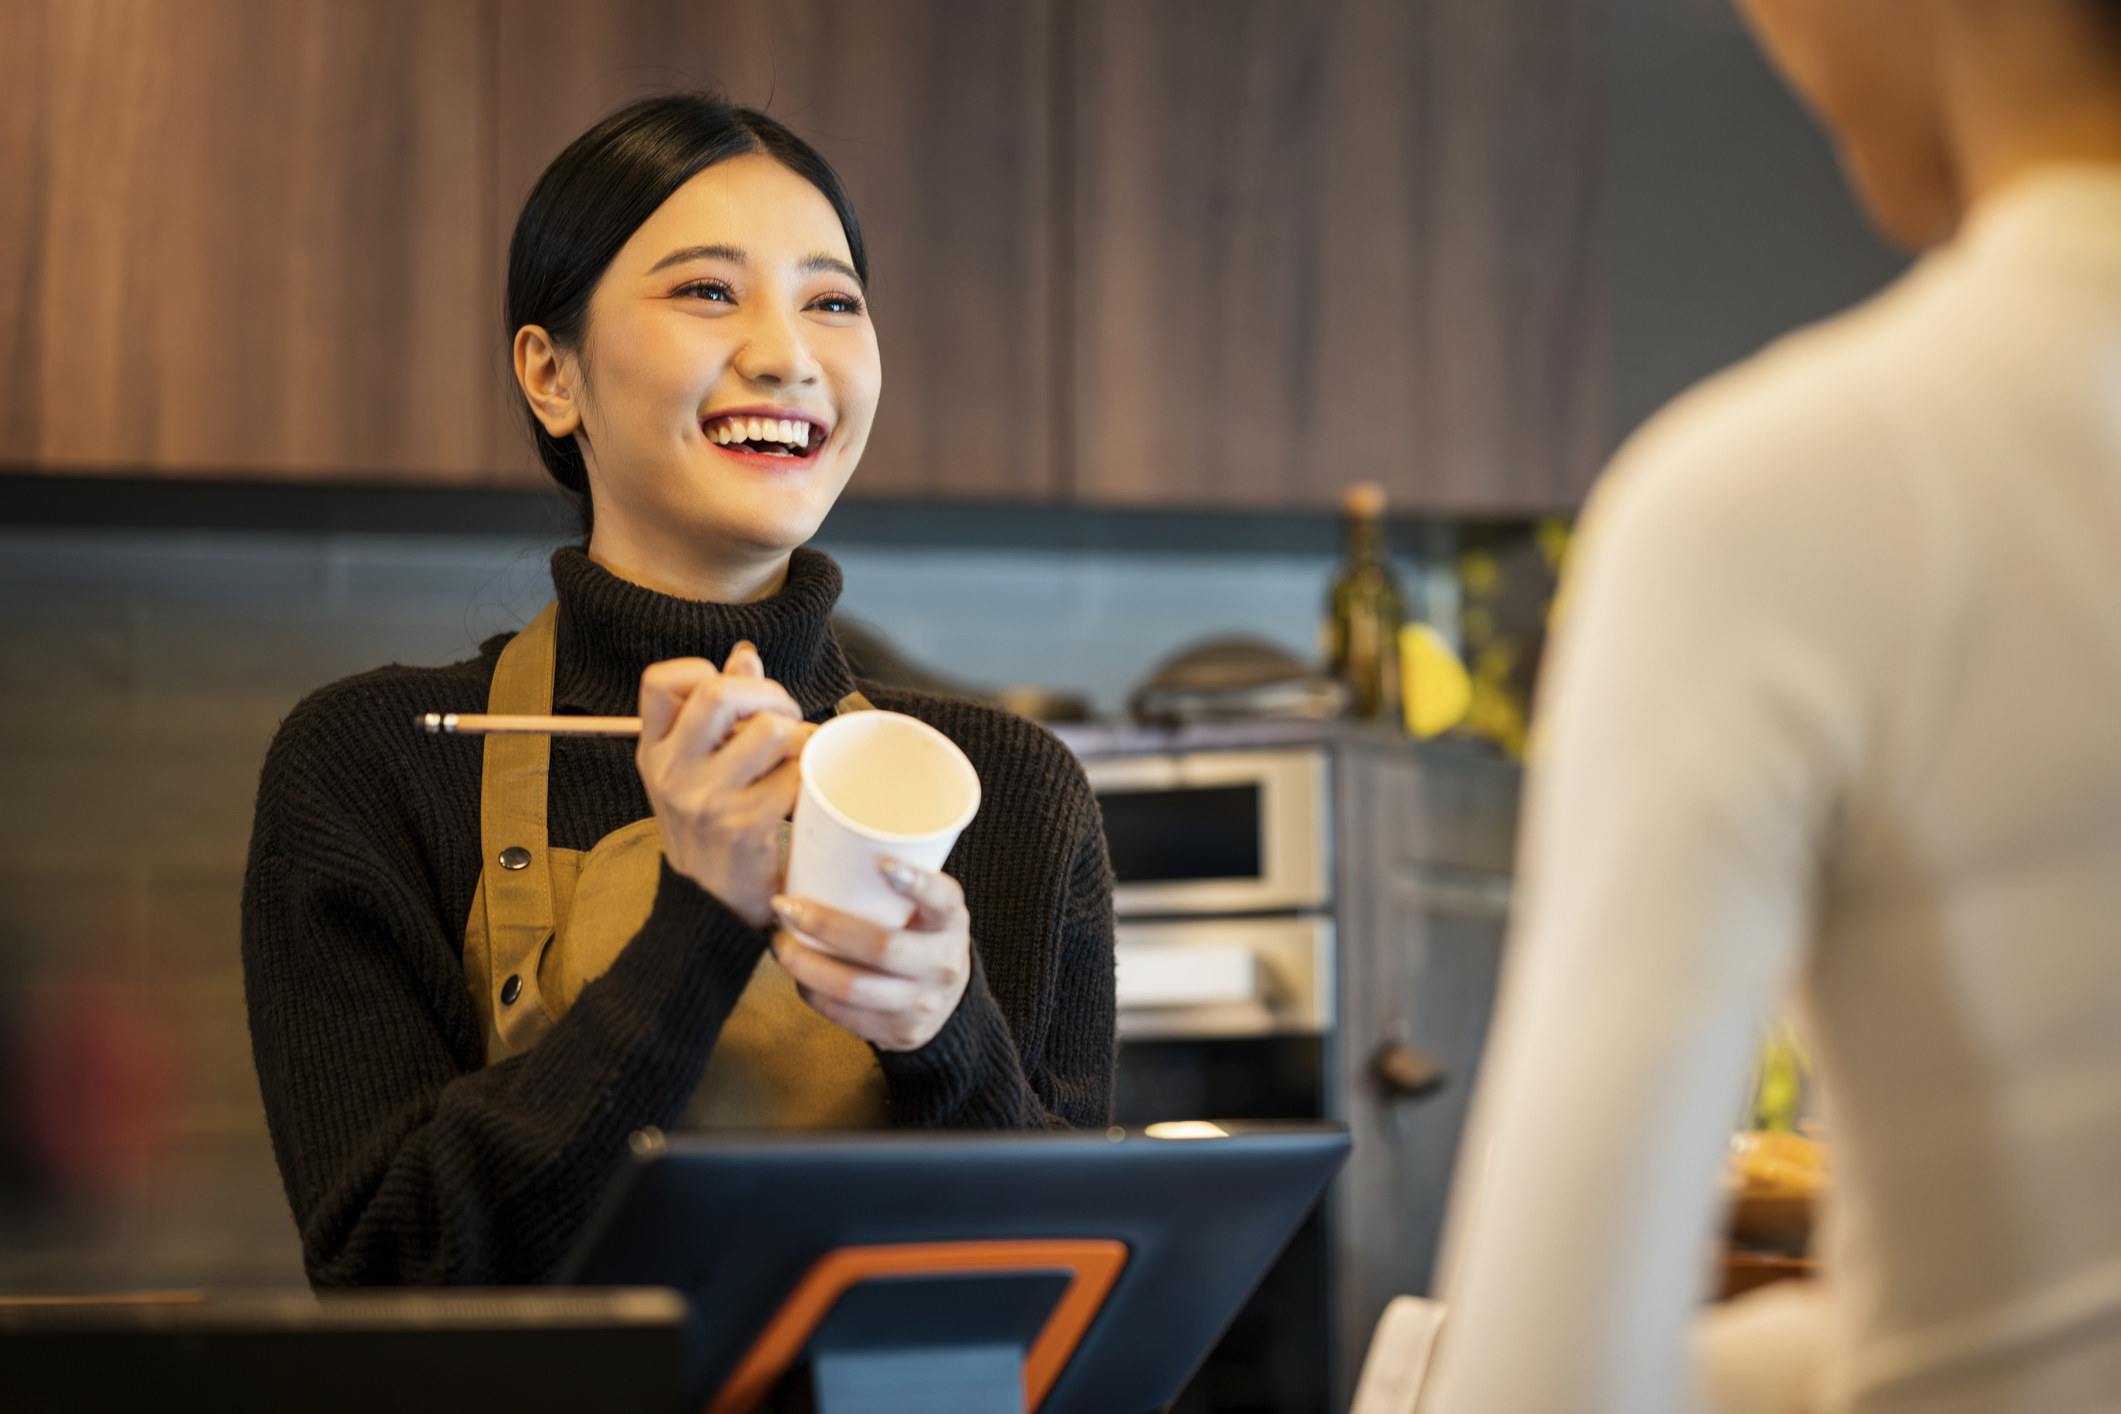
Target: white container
876, 786
1155, 977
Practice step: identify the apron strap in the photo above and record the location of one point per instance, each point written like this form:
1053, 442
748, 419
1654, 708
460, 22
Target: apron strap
515, 865
515, 871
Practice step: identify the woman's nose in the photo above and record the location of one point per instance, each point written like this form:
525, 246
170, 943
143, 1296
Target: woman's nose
776, 353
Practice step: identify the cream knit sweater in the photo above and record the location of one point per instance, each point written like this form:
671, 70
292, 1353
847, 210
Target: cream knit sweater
1836, 699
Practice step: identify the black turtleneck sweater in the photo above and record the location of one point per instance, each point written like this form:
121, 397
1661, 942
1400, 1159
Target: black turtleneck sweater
406, 1159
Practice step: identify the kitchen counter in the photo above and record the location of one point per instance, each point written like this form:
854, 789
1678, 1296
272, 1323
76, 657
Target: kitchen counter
1123, 738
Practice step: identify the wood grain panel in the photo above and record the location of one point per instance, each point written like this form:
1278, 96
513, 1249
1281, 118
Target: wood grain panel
936, 112
1327, 242
250, 237
1420, 949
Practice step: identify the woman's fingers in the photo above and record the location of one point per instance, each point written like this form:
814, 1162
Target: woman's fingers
665, 689
938, 902
669, 687
939, 910
755, 773
744, 661
856, 940
886, 1030
717, 755
709, 705
893, 987
823, 975
715, 708
750, 783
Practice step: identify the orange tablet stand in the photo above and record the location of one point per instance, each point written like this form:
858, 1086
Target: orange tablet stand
1091, 1264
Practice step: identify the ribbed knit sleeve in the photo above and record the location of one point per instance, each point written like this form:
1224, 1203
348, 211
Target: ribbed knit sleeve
973, 1075
404, 1159
1032, 1044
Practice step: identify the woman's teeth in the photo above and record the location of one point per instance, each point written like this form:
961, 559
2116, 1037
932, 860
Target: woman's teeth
775, 434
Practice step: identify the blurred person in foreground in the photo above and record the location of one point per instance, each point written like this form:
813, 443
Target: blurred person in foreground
1834, 697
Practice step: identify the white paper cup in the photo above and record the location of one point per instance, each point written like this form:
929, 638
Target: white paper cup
876, 786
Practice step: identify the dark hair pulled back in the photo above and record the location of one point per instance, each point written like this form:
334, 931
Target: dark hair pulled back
596, 194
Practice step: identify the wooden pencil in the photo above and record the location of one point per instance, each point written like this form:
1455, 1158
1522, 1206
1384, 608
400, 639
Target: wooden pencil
480, 723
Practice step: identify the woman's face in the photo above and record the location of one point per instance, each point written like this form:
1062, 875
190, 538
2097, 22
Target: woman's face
725, 385
1870, 69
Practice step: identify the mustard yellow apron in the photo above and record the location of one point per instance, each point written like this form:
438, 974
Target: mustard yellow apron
547, 922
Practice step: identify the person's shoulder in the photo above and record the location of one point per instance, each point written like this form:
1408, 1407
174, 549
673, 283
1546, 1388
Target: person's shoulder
1010, 752
366, 699
1809, 426
1808, 392
358, 726
1791, 486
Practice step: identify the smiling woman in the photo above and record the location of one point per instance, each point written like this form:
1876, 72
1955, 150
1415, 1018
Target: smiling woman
472, 976
729, 286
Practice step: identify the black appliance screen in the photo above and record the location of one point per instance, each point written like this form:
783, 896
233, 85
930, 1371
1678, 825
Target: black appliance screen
1209, 832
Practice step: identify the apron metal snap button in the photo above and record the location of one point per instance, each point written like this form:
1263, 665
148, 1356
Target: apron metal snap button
515, 857
511, 989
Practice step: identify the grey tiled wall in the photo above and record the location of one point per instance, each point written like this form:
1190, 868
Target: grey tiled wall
141, 676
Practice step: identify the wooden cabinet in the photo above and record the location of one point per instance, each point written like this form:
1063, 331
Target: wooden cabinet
1320, 244
243, 236
938, 115
1426, 840
1125, 252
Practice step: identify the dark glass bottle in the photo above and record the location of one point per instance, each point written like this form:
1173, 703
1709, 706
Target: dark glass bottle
1366, 611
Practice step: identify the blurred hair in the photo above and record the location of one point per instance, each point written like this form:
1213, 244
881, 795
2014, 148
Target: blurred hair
596, 194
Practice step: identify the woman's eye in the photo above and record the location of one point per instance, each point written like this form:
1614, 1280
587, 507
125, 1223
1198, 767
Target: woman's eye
708, 289
837, 304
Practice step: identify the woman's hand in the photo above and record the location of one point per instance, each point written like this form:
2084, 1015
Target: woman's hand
893, 987
718, 755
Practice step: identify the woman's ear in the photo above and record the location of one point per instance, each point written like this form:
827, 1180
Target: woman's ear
547, 377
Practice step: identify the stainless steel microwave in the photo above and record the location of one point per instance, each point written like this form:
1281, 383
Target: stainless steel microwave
1216, 832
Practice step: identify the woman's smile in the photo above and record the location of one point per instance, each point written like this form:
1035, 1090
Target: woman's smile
781, 438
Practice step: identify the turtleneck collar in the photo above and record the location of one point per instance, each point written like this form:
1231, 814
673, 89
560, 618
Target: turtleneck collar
611, 628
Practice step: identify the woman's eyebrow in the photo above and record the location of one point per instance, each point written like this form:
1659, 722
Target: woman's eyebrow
730, 253
815, 263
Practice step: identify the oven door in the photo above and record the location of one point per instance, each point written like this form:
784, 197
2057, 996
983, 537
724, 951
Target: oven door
1216, 831
1210, 977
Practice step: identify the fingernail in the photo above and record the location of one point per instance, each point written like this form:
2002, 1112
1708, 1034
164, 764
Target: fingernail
742, 645
902, 876
788, 908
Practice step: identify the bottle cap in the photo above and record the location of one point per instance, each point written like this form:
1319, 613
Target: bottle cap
1364, 498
